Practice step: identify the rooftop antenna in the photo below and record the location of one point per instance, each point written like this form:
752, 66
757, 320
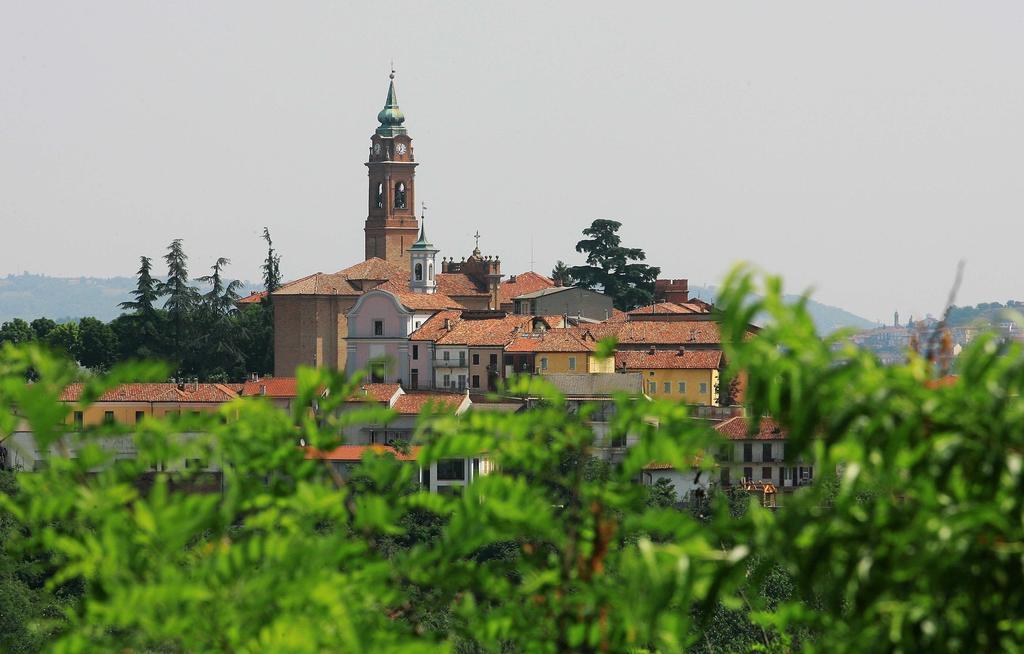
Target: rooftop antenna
531, 254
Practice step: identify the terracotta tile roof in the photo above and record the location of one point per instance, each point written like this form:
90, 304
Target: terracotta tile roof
414, 402
553, 340
433, 328
349, 281
527, 282
374, 269
735, 429
418, 301
375, 392
270, 387
156, 392
668, 307
252, 298
669, 360
459, 284
553, 322
355, 452
617, 316
643, 332
497, 332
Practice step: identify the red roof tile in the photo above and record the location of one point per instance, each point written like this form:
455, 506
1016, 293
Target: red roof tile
418, 301
355, 452
252, 298
736, 429
414, 402
669, 360
642, 332
553, 340
271, 387
497, 332
375, 392
458, 284
433, 328
156, 392
527, 282
667, 307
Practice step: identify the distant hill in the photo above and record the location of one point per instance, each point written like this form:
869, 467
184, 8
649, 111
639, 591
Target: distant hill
986, 313
826, 318
60, 298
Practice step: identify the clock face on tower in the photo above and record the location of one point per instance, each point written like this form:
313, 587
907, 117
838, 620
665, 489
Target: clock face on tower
400, 148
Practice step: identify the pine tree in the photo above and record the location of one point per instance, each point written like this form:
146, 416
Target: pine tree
218, 336
560, 274
181, 296
146, 290
221, 297
612, 268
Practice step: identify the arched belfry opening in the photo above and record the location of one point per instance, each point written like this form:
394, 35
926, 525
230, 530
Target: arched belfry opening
400, 195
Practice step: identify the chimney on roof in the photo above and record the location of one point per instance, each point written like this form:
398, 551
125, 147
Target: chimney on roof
682, 350
447, 324
511, 279
263, 389
651, 350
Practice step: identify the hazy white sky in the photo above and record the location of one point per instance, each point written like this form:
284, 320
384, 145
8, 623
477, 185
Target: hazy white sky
861, 148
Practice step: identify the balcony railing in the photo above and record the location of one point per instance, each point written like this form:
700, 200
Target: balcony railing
451, 363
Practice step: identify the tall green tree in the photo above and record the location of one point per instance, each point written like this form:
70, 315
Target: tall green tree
64, 339
16, 331
181, 296
560, 274
271, 266
218, 334
42, 327
97, 344
221, 298
147, 290
613, 269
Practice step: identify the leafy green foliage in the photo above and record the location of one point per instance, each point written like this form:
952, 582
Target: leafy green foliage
614, 269
561, 275
913, 544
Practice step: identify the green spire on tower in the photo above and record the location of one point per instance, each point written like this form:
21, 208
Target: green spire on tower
422, 243
391, 117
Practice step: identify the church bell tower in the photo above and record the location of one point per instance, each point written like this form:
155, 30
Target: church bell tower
391, 226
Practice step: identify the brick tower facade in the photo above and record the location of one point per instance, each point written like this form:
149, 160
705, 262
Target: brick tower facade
391, 226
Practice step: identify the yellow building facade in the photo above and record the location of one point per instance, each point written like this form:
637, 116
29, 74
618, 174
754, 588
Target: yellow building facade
568, 362
689, 376
130, 404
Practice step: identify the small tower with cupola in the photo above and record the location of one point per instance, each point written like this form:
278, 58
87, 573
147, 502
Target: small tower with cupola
391, 221
421, 263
